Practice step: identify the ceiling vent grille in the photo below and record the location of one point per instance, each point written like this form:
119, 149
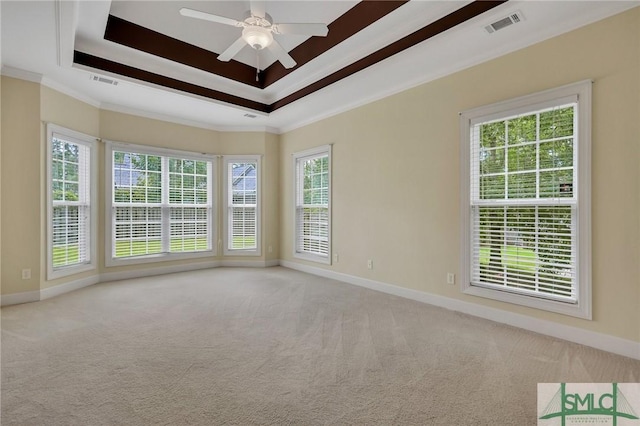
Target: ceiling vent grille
500, 24
250, 115
105, 80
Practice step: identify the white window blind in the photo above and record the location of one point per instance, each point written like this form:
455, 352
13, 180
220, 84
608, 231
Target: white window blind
161, 204
190, 204
137, 204
524, 203
313, 193
242, 221
70, 202
526, 200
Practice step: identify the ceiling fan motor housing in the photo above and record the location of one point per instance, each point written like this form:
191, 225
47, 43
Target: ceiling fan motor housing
257, 30
257, 37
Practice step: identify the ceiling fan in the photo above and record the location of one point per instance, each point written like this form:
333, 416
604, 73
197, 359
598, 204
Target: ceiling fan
257, 31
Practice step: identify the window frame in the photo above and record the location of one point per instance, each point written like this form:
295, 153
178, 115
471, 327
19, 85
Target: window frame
297, 158
227, 161
91, 143
110, 147
581, 93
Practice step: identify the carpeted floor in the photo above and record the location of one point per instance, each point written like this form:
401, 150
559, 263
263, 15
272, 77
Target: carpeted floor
273, 346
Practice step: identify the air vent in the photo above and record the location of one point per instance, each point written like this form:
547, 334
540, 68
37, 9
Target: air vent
105, 80
250, 115
514, 18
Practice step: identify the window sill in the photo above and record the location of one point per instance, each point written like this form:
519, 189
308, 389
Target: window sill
156, 258
313, 258
578, 310
65, 271
240, 252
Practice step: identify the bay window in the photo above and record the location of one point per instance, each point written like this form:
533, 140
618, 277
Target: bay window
160, 204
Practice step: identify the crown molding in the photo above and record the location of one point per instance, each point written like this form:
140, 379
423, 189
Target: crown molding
21, 74
191, 123
52, 84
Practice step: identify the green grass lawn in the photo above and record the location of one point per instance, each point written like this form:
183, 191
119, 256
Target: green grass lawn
68, 255
126, 248
243, 242
139, 248
65, 255
513, 257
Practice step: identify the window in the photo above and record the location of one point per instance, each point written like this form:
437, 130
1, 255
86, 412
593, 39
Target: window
242, 197
71, 200
526, 225
161, 204
313, 204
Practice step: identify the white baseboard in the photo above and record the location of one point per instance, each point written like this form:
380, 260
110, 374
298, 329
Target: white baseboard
57, 290
18, 298
161, 270
248, 263
593, 339
47, 293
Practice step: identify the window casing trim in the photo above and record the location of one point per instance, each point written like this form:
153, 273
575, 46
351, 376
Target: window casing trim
90, 142
301, 155
580, 92
110, 147
226, 161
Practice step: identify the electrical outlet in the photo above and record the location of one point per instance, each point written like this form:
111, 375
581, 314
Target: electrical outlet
369, 264
26, 274
336, 259
451, 278
270, 249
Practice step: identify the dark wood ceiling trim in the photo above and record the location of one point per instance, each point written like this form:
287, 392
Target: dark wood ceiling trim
461, 15
441, 25
95, 62
137, 37
354, 20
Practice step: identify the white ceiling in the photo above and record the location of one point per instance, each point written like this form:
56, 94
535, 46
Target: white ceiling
38, 39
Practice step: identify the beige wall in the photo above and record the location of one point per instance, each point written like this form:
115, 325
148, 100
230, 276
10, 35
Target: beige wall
0, 174
21, 174
271, 198
396, 171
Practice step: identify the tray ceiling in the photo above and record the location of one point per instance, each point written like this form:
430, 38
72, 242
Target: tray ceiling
167, 67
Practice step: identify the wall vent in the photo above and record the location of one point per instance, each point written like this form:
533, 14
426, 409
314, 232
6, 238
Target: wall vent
102, 79
513, 18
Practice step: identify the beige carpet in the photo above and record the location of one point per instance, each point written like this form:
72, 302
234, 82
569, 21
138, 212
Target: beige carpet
273, 346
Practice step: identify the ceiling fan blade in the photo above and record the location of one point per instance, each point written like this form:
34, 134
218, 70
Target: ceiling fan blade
257, 8
232, 50
191, 13
281, 55
304, 29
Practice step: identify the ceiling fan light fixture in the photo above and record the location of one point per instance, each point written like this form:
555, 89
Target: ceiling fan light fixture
257, 37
